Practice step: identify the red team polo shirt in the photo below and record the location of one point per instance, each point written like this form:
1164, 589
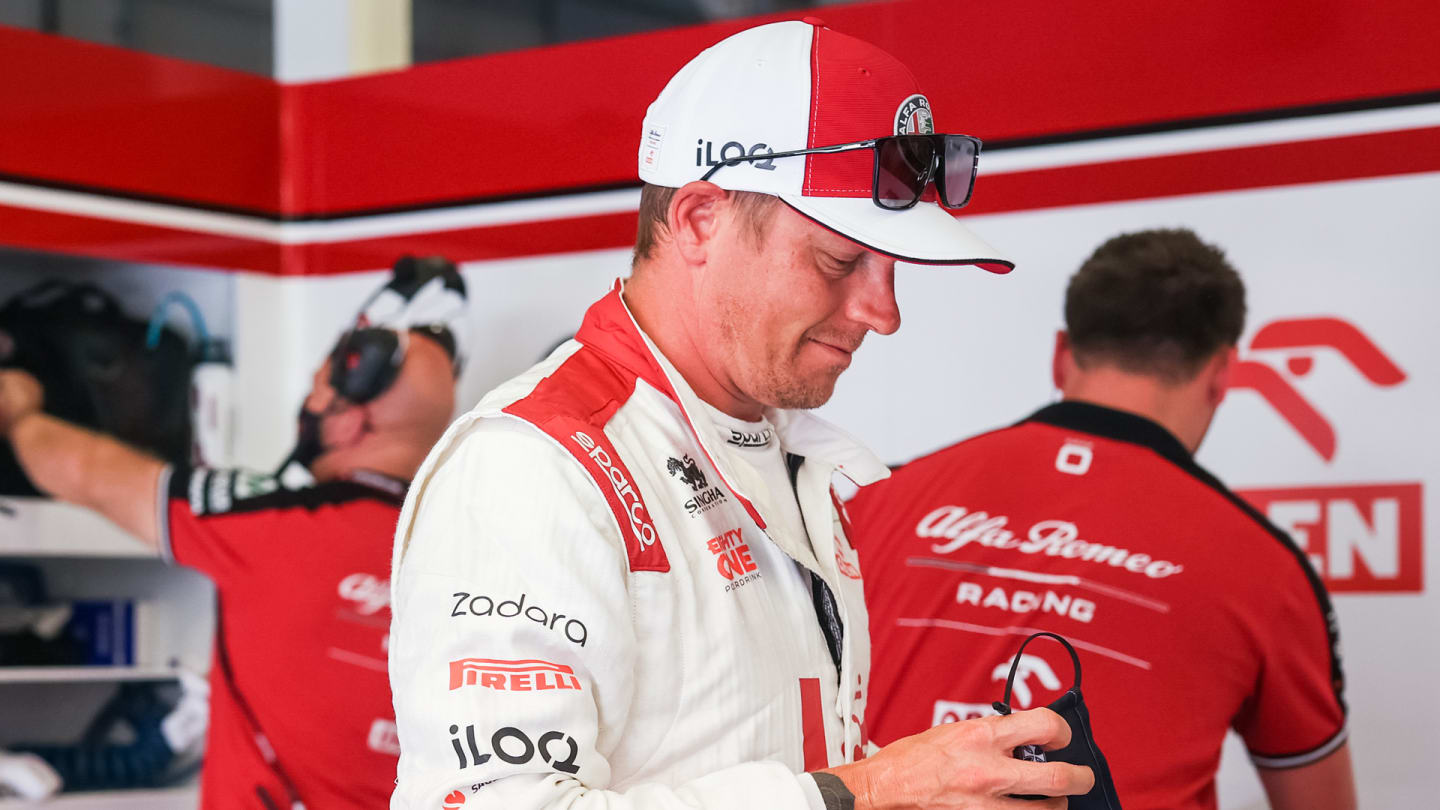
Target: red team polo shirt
302, 577
1192, 614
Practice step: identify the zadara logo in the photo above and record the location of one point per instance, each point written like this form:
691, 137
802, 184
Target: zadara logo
624, 489
1300, 339
1359, 537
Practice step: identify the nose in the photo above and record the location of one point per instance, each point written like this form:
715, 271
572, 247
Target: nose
872, 295
321, 395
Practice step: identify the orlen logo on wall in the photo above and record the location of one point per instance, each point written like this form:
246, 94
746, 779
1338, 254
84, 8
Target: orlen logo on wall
1359, 537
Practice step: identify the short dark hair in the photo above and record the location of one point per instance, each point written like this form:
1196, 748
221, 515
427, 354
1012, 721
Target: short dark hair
655, 208
1158, 302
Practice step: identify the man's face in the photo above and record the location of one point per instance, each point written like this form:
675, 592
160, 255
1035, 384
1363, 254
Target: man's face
783, 312
422, 397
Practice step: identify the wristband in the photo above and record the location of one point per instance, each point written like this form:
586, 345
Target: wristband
833, 791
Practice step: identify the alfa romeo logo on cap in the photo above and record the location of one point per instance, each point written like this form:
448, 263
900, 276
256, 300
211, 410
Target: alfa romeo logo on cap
913, 117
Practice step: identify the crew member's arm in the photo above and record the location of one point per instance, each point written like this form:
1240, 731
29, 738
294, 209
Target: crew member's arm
79, 465
513, 651
1294, 721
1325, 785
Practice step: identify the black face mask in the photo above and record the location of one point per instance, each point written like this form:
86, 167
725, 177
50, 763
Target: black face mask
308, 446
1082, 749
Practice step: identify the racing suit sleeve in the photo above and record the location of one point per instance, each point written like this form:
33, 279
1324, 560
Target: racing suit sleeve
513, 646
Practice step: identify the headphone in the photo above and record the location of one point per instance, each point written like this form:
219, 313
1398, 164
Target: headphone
366, 362
367, 359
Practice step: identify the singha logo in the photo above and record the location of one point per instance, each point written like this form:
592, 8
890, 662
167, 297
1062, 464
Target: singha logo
688, 472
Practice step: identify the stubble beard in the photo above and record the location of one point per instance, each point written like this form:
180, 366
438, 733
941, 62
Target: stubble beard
772, 379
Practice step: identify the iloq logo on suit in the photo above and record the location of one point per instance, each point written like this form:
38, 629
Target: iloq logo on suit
514, 746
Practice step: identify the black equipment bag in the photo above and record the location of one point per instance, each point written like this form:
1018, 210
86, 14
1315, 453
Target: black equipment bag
97, 371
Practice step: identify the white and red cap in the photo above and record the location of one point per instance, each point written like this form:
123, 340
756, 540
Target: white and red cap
799, 85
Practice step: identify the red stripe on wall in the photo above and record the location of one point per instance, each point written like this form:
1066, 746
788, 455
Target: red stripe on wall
1329, 160
550, 119
812, 721
77, 113
569, 117
124, 241
469, 244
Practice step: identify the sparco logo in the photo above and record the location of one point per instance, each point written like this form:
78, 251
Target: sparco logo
705, 154
482, 605
530, 675
757, 438
1300, 338
706, 497
624, 489
913, 117
514, 746
1054, 538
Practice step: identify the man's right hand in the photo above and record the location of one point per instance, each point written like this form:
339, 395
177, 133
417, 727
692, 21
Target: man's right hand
20, 395
970, 764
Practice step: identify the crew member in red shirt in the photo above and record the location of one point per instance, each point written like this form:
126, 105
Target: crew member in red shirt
300, 701
1191, 612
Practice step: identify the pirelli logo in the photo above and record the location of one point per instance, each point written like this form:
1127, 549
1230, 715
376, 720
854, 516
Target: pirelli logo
512, 676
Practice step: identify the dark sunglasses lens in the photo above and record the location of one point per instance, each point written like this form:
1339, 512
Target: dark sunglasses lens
902, 168
960, 166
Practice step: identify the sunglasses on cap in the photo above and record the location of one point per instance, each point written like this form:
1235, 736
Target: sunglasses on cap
904, 166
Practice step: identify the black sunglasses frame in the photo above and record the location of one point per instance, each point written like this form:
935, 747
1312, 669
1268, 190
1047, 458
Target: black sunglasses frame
936, 162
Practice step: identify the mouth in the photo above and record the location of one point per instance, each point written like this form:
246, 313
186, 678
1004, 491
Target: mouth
842, 354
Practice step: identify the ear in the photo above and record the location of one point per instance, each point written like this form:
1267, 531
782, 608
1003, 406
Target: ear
1218, 375
693, 219
1061, 363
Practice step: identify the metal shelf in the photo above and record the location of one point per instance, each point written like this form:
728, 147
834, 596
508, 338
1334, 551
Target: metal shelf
71, 674
180, 798
40, 527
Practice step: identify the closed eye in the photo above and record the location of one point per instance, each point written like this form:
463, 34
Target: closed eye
837, 265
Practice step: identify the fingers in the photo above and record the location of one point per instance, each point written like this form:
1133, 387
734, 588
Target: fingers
1051, 779
1040, 727
1061, 803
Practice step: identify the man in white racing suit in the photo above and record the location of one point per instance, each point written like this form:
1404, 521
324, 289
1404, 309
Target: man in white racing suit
623, 581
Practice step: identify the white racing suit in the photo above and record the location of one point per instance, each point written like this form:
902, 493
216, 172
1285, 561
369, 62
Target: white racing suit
589, 611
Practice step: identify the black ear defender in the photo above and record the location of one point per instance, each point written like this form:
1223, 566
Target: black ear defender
367, 359
365, 362
1082, 749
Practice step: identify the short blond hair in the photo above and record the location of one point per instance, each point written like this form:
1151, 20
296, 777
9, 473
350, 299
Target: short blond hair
655, 209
